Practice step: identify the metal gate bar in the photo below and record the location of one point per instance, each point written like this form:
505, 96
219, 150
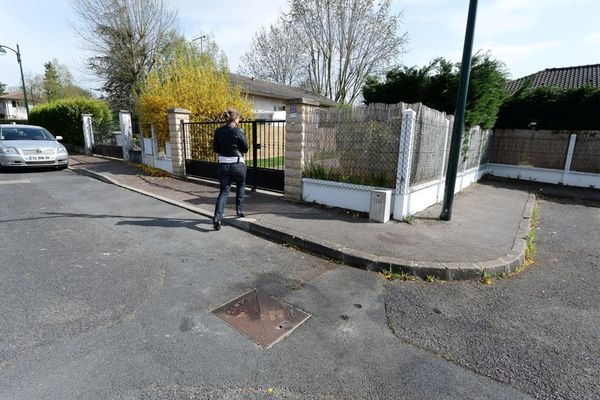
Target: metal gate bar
266, 159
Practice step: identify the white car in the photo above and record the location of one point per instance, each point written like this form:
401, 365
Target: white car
30, 146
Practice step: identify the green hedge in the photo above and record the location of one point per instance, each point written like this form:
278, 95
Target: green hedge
63, 117
16, 121
551, 108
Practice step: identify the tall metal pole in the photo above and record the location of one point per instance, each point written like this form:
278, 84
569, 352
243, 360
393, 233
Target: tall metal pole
23, 81
201, 38
459, 117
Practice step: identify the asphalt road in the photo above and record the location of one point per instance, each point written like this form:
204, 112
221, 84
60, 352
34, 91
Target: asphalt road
106, 294
539, 331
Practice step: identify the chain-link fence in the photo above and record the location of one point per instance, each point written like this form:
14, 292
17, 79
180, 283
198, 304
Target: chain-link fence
431, 128
586, 155
361, 145
355, 145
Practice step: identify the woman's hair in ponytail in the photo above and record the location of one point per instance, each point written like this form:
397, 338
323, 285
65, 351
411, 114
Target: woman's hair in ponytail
231, 115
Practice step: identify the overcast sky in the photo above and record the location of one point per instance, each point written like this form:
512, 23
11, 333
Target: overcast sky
528, 35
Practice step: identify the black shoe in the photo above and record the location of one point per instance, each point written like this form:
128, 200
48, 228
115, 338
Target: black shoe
240, 214
217, 225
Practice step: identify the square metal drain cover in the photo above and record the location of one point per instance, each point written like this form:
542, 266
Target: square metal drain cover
264, 319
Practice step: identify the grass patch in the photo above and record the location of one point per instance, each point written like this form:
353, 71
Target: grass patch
391, 275
150, 171
531, 248
409, 219
273, 162
317, 171
487, 279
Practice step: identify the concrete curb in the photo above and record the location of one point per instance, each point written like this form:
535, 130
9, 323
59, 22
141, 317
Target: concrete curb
356, 258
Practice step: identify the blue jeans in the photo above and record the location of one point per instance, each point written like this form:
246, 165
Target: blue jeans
227, 173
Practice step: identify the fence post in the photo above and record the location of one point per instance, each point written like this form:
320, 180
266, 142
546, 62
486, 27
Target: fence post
462, 163
569, 160
442, 172
300, 112
148, 152
126, 132
254, 155
407, 133
177, 118
88, 133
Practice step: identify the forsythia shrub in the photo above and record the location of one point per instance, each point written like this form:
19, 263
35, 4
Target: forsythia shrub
63, 117
191, 81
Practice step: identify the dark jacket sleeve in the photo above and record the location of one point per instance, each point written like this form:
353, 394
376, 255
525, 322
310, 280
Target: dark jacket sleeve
242, 142
216, 144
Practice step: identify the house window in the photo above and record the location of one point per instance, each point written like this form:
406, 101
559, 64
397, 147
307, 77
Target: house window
14, 104
278, 108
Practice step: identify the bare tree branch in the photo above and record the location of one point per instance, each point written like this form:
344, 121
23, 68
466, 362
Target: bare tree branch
125, 38
274, 56
346, 40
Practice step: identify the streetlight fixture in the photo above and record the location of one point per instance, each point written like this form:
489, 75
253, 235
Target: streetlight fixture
459, 116
18, 53
201, 38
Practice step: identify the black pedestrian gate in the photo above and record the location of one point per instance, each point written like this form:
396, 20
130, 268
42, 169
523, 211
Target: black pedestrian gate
265, 158
105, 140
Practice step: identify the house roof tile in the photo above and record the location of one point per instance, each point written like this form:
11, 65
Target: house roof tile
564, 78
259, 87
12, 96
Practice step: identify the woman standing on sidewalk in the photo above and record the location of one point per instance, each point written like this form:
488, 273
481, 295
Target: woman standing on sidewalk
230, 143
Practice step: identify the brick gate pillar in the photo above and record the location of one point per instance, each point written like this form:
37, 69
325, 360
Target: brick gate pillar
177, 117
300, 114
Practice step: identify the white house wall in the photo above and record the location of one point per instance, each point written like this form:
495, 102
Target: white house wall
262, 105
11, 112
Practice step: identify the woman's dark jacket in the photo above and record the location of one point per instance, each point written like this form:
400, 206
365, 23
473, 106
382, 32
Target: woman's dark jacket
229, 142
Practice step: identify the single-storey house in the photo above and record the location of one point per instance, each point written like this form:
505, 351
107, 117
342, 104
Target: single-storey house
269, 99
563, 78
12, 106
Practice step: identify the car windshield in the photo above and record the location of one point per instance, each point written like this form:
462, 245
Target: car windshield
25, 133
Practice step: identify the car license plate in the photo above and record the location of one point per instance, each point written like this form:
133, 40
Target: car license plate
37, 158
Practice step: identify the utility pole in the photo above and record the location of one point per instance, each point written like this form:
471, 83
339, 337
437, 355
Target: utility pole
459, 116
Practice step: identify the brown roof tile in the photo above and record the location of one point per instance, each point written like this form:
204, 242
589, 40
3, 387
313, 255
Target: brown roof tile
12, 96
259, 87
564, 78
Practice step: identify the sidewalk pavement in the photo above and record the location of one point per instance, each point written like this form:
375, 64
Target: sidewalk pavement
487, 233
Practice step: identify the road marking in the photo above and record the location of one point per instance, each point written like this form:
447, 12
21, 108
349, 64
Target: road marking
15, 181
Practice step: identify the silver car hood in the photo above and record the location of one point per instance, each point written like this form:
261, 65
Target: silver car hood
31, 144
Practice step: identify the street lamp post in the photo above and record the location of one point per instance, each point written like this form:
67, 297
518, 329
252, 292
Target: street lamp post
18, 53
459, 116
201, 38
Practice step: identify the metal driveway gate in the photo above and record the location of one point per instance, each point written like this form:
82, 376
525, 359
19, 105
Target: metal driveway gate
107, 140
265, 158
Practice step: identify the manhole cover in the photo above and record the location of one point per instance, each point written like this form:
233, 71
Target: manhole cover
264, 319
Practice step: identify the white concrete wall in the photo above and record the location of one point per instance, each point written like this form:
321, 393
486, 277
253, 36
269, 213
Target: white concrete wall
570, 178
11, 112
151, 157
337, 194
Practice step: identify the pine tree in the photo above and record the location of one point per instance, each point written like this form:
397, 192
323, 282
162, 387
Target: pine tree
52, 85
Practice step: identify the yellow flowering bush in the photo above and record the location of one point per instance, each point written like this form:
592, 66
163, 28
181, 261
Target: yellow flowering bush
191, 81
